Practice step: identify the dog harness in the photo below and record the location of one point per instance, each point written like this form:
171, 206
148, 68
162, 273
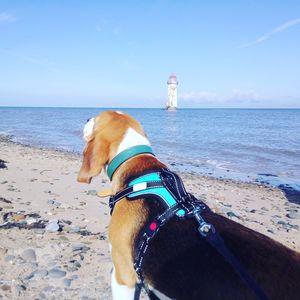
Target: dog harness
167, 187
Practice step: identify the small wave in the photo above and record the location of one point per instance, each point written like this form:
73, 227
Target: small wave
223, 165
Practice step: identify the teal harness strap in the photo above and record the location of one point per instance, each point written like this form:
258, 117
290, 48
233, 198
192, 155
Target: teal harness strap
141, 187
125, 155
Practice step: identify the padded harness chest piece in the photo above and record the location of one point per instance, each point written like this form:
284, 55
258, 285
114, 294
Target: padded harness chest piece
165, 186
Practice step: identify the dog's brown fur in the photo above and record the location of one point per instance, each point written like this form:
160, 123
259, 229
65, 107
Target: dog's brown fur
180, 263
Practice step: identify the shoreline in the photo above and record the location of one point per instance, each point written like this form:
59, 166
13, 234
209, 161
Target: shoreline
54, 242
290, 186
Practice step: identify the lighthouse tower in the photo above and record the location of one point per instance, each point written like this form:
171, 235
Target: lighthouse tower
172, 92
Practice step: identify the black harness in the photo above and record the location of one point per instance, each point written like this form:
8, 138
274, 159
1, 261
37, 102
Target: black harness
166, 187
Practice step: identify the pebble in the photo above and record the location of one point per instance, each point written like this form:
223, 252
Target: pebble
68, 222
91, 192
86, 298
288, 226
80, 248
53, 226
18, 217
30, 276
20, 288
3, 164
72, 268
231, 214
54, 203
292, 210
56, 273
5, 287
63, 238
293, 215
33, 215
72, 229
264, 208
29, 255
40, 273
5, 200
67, 282
280, 222
39, 230
73, 265
9, 258
30, 221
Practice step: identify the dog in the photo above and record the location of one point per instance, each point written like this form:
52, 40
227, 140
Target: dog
179, 264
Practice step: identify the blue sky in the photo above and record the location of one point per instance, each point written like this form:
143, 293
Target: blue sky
120, 53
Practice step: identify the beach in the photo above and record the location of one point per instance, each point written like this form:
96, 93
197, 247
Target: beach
53, 232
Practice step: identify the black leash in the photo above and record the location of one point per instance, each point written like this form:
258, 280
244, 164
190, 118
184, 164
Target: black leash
216, 241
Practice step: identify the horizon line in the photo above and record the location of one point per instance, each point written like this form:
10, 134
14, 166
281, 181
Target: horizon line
162, 108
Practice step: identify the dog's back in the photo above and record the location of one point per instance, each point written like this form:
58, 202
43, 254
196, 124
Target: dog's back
181, 264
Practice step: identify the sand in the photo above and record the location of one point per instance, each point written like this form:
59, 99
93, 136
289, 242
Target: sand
69, 259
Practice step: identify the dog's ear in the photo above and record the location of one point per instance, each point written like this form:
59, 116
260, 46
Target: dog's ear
95, 156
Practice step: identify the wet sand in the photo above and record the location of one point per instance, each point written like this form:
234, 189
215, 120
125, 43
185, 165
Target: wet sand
53, 230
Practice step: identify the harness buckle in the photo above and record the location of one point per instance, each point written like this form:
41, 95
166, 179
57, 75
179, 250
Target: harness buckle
194, 210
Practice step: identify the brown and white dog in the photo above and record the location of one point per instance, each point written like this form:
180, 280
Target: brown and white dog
179, 264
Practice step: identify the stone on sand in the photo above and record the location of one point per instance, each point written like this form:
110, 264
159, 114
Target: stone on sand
56, 273
293, 215
29, 255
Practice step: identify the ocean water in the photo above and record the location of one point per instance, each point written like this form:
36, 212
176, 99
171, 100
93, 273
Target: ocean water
243, 143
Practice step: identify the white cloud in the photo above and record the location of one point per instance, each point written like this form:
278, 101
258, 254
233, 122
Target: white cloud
199, 97
241, 96
235, 97
7, 18
276, 30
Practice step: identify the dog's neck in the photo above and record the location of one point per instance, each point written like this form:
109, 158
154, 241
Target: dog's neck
132, 138
132, 144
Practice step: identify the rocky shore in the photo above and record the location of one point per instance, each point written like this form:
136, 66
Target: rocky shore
53, 230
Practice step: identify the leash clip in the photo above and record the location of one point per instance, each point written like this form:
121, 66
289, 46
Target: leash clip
204, 227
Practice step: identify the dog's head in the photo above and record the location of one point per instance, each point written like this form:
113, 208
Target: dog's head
106, 137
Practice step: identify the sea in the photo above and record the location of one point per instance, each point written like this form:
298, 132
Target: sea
243, 144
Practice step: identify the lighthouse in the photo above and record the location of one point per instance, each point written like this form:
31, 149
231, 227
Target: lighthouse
172, 92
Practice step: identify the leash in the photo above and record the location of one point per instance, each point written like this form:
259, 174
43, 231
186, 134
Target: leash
169, 189
215, 240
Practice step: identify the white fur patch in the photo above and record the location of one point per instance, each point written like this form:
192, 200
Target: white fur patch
132, 138
88, 128
119, 291
119, 112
